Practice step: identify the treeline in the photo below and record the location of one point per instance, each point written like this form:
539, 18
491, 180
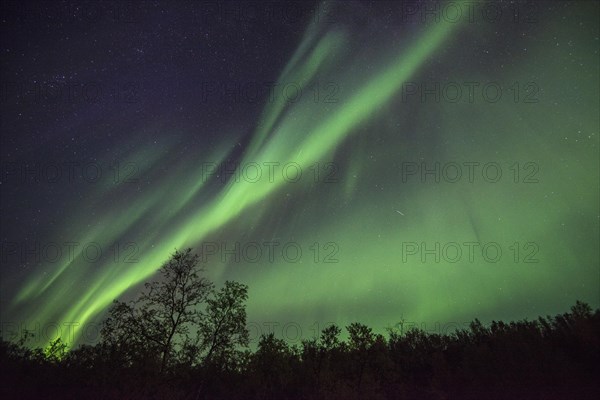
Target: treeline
183, 339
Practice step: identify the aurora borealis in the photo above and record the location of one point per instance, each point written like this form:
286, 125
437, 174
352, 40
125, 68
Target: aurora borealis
427, 170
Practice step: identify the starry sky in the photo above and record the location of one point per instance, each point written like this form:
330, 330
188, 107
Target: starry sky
349, 161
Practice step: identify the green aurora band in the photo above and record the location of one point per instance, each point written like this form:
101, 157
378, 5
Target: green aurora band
370, 132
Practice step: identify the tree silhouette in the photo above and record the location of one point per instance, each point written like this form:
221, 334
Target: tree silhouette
222, 332
361, 341
224, 328
161, 318
181, 338
272, 367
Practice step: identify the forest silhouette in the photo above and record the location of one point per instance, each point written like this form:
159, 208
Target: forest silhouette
183, 338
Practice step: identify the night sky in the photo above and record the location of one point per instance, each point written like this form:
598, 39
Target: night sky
349, 161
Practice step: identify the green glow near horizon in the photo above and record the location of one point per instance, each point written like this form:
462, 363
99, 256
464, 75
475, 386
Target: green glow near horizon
370, 212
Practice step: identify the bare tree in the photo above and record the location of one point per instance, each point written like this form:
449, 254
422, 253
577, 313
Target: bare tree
163, 315
224, 328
